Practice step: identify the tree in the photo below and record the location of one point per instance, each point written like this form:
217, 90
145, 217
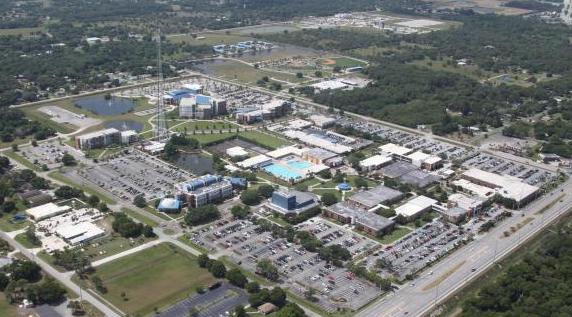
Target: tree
50, 291
360, 183
202, 215
239, 311
265, 190
32, 237
291, 310
93, 200
252, 287
126, 227
239, 212
278, 297
203, 260
318, 74
299, 75
329, 198
4, 280
236, 277
66, 192
68, 160
257, 299
267, 269
148, 232
98, 283
24, 270
250, 197
217, 268
140, 201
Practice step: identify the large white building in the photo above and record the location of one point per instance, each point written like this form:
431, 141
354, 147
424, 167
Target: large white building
415, 207
98, 139
487, 184
47, 211
375, 162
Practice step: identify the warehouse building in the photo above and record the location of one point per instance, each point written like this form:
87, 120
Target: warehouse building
46, 211
204, 190
372, 198
322, 121
255, 162
487, 184
375, 162
415, 207
79, 233
363, 220
397, 151
291, 202
318, 155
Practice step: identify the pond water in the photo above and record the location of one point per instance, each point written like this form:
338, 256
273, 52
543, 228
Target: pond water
196, 163
106, 107
123, 125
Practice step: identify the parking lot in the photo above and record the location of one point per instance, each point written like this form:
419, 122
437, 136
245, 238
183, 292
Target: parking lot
219, 302
133, 174
331, 234
529, 174
49, 153
410, 140
246, 243
417, 250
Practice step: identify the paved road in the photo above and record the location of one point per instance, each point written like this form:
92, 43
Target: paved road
64, 278
455, 271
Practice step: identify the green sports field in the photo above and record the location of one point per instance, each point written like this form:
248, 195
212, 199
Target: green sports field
153, 278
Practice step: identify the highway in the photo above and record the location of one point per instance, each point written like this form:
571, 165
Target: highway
463, 266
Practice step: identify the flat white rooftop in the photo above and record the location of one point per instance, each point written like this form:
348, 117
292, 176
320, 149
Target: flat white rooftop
46, 211
415, 206
391, 148
254, 161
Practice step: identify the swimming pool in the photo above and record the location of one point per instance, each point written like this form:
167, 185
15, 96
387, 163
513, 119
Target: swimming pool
299, 165
283, 172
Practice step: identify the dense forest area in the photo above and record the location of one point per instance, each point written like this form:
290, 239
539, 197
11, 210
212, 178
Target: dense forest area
539, 285
413, 94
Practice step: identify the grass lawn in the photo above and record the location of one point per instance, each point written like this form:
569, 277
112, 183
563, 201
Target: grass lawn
264, 139
180, 126
248, 74
112, 245
7, 310
210, 38
7, 225
396, 234
159, 214
320, 192
153, 278
25, 32
345, 62
22, 238
140, 217
206, 139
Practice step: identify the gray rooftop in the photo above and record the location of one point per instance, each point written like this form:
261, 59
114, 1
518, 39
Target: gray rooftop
375, 196
321, 153
398, 169
419, 178
361, 216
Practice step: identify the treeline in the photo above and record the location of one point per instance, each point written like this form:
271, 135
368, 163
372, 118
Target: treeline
14, 124
538, 285
532, 5
502, 43
411, 95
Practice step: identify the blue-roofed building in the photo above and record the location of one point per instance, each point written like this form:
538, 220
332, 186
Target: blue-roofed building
238, 182
291, 202
203, 100
204, 190
170, 205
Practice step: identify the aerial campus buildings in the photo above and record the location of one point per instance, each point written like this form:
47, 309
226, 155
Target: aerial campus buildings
291, 202
65, 224
204, 190
486, 185
103, 138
